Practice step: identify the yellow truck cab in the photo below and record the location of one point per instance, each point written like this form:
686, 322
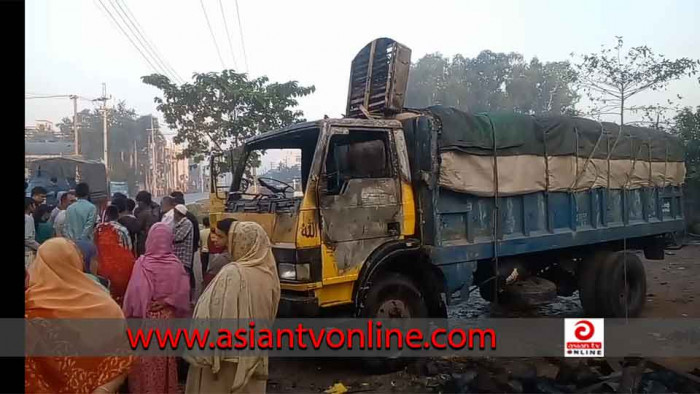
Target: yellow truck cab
357, 196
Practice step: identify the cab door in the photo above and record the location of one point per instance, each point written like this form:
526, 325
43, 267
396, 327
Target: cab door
359, 194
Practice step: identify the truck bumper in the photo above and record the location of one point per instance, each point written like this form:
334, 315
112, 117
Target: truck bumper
297, 305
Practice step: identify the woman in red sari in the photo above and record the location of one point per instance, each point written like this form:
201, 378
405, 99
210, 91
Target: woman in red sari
114, 253
159, 289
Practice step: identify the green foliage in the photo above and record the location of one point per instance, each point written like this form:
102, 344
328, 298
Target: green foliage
687, 129
218, 110
492, 82
612, 76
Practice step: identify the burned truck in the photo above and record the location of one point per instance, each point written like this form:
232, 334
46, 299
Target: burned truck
405, 211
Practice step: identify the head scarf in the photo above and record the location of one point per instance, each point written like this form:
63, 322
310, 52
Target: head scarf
248, 288
58, 289
158, 276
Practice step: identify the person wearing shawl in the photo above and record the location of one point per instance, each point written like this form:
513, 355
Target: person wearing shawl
58, 289
159, 289
247, 288
115, 257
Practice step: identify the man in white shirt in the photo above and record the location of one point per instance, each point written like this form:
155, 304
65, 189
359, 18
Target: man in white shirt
167, 205
57, 208
59, 221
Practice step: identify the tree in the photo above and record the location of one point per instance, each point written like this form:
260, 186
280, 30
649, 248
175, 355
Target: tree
492, 82
612, 77
128, 140
219, 110
687, 129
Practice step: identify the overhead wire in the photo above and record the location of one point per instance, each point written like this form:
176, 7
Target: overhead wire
114, 20
46, 96
240, 32
204, 10
157, 54
141, 40
228, 35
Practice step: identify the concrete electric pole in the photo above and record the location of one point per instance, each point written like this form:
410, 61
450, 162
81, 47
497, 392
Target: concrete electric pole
152, 159
105, 136
75, 123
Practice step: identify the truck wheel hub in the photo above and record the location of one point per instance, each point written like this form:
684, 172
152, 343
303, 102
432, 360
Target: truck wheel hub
393, 309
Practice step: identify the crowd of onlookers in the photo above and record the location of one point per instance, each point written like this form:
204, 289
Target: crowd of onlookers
135, 259
75, 217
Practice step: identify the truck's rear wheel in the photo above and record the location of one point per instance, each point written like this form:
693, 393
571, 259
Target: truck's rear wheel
622, 294
588, 271
392, 296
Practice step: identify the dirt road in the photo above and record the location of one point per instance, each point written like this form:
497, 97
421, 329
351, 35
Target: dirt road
673, 291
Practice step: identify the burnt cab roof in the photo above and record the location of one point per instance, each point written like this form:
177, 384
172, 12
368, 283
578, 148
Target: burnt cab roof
299, 128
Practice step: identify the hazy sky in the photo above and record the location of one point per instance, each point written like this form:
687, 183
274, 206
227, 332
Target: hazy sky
72, 46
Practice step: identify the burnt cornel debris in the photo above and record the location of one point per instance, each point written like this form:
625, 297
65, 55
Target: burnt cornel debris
590, 376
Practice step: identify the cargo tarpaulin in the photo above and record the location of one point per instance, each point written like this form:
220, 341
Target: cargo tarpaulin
555, 153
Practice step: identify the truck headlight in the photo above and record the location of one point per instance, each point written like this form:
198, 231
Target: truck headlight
300, 272
303, 271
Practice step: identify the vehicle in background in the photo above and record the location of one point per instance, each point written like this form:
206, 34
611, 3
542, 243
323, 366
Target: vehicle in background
118, 187
69, 172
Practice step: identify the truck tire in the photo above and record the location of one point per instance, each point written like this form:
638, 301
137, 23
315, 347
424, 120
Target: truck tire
392, 296
617, 299
588, 271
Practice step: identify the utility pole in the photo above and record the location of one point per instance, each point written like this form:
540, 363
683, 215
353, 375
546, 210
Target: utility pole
75, 123
105, 136
152, 154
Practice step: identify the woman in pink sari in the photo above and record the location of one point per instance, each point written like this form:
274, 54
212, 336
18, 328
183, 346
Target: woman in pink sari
159, 289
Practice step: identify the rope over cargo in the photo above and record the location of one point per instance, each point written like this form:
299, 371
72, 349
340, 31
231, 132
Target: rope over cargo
541, 153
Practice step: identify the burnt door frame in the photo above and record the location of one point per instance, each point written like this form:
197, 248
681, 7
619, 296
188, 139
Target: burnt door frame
367, 212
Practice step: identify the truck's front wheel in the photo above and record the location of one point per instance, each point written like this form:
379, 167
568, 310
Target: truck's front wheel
392, 296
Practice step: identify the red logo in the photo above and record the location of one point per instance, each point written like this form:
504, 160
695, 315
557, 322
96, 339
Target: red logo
584, 330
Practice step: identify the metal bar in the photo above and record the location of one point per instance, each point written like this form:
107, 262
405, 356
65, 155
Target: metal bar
368, 83
573, 214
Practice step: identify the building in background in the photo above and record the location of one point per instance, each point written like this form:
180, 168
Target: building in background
176, 170
196, 178
291, 157
43, 141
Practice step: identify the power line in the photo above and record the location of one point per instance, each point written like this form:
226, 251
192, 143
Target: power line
150, 43
240, 32
129, 37
48, 96
212, 34
228, 35
132, 28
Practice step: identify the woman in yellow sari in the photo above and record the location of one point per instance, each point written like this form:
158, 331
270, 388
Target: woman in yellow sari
58, 289
247, 288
